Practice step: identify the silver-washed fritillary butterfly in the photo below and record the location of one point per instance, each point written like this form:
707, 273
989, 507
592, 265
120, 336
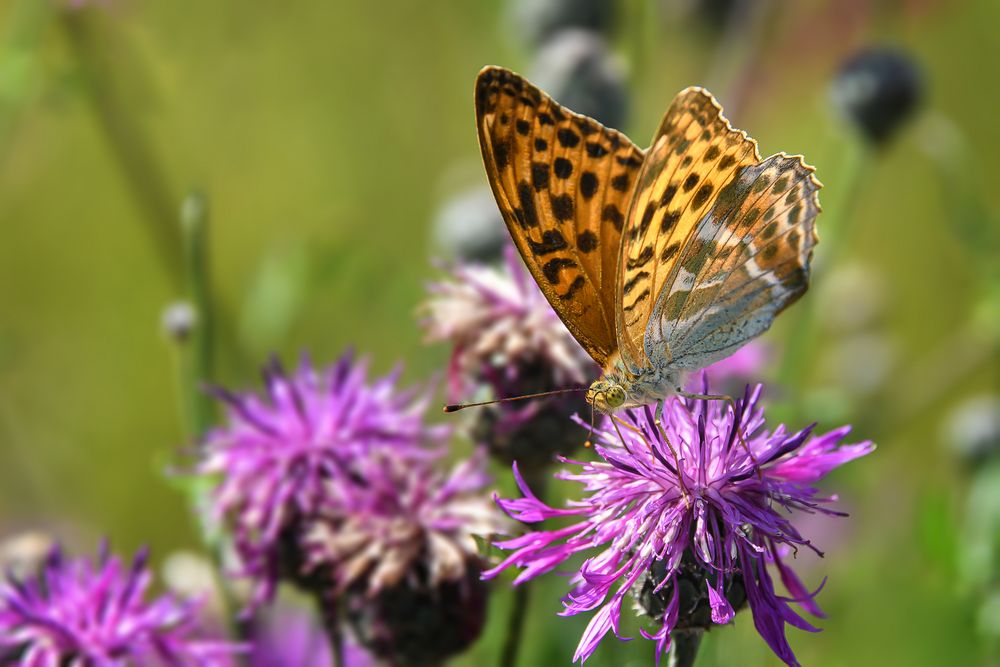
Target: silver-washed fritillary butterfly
659, 262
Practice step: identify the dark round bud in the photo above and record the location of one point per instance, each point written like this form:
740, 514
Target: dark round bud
694, 608
716, 14
973, 429
578, 70
876, 90
536, 21
417, 624
179, 320
532, 431
469, 227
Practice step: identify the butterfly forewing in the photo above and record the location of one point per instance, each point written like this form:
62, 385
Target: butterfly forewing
563, 183
694, 154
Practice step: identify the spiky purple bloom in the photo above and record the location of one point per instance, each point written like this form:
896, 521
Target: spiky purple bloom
82, 612
285, 456
726, 515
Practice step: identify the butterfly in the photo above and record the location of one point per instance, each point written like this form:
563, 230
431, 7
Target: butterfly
659, 262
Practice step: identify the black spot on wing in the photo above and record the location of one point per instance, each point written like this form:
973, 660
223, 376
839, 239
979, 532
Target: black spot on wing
539, 175
567, 137
670, 219
610, 213
562, 167
552, 267
669, 252
552, 241
562, 206
620, 182
668, 194
700, 197
643, 258
588, 184
528, 217
630, 285
587, 241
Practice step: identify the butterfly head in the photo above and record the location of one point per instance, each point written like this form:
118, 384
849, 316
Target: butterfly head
607, 395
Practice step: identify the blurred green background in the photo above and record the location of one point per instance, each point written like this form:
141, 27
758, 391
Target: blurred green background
326, 135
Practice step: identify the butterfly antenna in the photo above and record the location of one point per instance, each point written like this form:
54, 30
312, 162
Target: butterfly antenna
588, 442
455, 407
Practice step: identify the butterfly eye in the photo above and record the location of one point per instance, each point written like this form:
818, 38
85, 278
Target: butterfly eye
615, 397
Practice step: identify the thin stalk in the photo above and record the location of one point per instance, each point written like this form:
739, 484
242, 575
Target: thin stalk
836, 228
329, 613
515, 625
731, 74
685, 648
199, 366
125, 138
518, 614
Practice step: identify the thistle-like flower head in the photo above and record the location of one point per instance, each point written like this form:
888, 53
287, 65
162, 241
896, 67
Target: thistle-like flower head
82, 612
285, 456
722, 519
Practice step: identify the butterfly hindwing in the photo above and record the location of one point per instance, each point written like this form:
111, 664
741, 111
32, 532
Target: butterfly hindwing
694, 153
563, 183
746, 262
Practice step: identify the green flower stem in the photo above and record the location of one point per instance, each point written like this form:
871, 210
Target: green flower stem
329, 613
125, 138
685, 648
835, 229
537, 480
732, 71
515, 624
199, 363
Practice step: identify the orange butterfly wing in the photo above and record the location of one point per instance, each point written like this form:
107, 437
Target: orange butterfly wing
563, 183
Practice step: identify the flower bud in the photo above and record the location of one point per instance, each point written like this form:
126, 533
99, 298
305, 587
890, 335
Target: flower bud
876, 90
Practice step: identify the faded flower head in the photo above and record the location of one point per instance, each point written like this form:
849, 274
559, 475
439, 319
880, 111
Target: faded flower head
287, 455
506, 336
82, 612
402, 518
400, 549
692, 542
499, 319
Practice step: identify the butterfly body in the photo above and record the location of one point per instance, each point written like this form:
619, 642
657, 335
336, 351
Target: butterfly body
660, 262
619, 388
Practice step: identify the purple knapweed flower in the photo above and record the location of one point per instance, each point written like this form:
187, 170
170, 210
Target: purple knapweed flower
285, 457
96, 614
698, 537
506, 337
402, 557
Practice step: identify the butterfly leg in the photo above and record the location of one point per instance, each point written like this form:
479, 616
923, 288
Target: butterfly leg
658, 420
732, 404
